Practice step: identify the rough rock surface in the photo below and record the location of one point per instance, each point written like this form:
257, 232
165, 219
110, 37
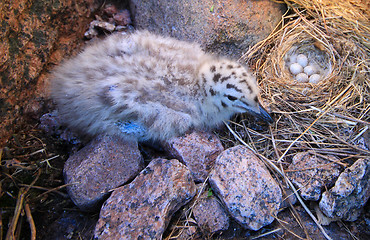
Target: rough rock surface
312, 173
350, 192
246, 187
35, 35
143, 208
210, 215
198, 151
225, 27
102, 165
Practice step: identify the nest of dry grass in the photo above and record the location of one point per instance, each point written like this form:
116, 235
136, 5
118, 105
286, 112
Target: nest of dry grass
329, 117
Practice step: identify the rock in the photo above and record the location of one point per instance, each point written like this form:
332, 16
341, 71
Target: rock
99, 25
143, 208
122, 18
224, 27
311, 173
350, 192
35, 35
245, 186
198, 151
50, 123
110, 9
210, 215
104, 164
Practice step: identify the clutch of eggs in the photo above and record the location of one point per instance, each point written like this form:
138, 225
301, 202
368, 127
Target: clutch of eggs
303, 69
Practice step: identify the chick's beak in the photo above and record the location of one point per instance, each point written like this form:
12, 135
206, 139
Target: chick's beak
264, 115
257, 111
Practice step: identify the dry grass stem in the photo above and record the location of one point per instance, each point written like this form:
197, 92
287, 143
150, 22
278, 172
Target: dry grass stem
30, 221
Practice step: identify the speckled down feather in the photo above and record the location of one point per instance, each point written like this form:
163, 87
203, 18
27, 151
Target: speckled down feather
150, 87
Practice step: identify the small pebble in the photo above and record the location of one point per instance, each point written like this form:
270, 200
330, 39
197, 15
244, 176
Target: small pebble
122, 17
302, 60
296, 68
302, 77
315, 78
309, 70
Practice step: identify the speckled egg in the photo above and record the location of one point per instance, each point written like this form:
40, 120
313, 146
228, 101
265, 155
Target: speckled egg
301, 77
314, 78
295, 68
302, 60
309, 70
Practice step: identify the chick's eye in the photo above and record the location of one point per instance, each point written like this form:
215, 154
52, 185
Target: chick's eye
231, 98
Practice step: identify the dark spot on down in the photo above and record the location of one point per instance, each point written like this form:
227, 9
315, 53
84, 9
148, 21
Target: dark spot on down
213, 69
121, 108
249, 88
229, 66
212, 91
105, 97
224, 78
216, 77
223, 104
255, 99
204, 78
243, 81
233, 86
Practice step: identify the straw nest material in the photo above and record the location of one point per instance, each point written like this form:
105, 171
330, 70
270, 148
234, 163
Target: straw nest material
331, 116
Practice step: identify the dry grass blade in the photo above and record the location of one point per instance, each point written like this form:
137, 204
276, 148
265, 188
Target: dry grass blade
22, 194
30, 221
266, 233
17, 212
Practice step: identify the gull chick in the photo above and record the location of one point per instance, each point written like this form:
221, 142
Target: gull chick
149, 87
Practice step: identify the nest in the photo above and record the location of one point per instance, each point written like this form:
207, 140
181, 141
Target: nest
332, 116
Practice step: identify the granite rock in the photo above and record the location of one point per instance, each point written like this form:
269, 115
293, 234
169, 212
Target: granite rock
106, 163
350, 192
311, 174
143, 208
35, 35
245, 186
224, 27
198, 151
210, 215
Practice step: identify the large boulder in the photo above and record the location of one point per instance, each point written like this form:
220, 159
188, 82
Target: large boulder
224, 27
34, 36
